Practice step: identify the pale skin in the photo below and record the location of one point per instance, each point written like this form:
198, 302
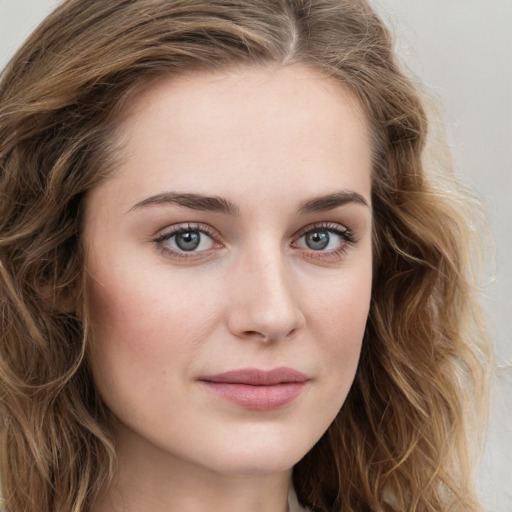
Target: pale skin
234, 234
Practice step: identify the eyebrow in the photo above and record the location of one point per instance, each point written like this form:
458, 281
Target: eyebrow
193, 201
331, 201
218, 204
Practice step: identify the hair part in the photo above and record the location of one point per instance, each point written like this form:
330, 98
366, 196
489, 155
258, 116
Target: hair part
400, 441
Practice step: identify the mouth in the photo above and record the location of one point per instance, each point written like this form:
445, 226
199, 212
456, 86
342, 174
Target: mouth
256, 389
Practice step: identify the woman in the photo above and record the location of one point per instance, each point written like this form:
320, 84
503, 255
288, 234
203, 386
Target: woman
226, 277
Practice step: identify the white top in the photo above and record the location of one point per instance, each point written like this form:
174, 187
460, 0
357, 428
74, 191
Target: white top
293, 504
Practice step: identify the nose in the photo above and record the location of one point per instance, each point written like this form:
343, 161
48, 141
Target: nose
264, 301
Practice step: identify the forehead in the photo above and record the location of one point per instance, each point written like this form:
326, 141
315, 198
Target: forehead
244, 84
257, 127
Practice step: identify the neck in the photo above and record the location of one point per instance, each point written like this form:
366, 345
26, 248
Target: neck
149, 480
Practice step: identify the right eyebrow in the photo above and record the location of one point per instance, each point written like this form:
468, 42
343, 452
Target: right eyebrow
193, 201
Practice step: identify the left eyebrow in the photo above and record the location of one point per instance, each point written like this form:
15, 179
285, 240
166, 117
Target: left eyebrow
331, 201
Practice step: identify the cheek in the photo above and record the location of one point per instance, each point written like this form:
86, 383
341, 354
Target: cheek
144, 320
145, 335
145, 305
337, 320
340, 310
123, 313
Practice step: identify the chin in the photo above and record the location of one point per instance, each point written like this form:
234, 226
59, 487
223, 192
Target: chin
266, 455
254, 466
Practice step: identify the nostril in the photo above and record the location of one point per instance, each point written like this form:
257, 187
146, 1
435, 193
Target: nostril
265, 337
256, 333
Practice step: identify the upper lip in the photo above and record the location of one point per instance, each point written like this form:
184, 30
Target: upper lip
256, 377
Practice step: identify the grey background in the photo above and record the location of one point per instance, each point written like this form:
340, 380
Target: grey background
462, 51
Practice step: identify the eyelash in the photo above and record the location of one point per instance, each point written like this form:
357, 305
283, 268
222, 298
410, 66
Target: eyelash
346, 236
177, 230
347, 240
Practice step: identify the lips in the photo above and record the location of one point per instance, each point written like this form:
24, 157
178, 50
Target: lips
256, 389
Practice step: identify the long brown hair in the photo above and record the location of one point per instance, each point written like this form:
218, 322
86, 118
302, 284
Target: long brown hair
400, 442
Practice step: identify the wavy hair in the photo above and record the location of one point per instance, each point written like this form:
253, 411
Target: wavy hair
401, 440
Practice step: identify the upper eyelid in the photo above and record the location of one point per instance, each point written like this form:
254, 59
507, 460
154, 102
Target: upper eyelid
183, 227
321, 225
210, 231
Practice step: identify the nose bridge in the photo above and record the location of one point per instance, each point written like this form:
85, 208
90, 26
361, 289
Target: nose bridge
264, 300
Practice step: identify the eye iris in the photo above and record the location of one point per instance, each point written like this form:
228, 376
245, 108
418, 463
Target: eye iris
317, 240
188, 241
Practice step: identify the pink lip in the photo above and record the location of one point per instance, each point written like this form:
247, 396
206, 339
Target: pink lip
257, 389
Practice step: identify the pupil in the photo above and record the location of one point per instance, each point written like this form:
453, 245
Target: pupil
188, 241
317, 240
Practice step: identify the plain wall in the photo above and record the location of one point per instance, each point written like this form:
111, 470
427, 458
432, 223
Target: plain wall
462, 51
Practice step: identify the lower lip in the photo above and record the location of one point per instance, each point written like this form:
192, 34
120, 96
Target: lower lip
261, 398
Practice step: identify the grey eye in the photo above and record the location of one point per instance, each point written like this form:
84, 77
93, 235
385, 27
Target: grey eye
188, 240
324, 239
317, 240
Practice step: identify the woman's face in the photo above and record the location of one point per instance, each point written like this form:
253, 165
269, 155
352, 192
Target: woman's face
230, 267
